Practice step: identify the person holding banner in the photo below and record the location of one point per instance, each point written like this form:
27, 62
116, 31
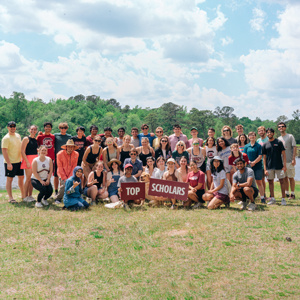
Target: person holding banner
196, 179
172, 175
218, 192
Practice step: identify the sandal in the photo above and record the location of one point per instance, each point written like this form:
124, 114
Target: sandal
13, 201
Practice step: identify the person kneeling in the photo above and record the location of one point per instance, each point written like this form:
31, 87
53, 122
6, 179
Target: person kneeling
244, 186
196, 179
218, 193
73, 191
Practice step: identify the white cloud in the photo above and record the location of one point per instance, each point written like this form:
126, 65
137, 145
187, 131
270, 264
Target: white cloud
226, 41
257, 23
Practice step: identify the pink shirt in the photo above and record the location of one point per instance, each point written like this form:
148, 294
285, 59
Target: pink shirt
173, 140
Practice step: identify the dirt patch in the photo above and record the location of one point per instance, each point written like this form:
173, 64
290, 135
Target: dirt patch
177, 232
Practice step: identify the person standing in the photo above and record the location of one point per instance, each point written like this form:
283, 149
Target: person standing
289, 143
66, 162
194, 134
227, 134
91, 137
60, 139
135, 141
80, 142
47, 139
150, 136
29, 148
176, 137
11, 150
274, 164
121, 133
159, 133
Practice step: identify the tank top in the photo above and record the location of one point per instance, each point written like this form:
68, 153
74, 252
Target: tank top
143, 157
31, 148
110, 156
99, 179
199, 159
43, 168
124, 155
210, 153
91, 158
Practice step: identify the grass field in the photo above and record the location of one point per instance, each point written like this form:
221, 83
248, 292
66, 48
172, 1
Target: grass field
154, 253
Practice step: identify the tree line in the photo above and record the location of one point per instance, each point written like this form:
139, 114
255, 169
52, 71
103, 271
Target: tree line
87, 110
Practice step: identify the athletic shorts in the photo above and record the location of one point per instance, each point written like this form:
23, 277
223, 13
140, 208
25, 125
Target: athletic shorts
30, 159
55, 168
278, 173
290, 171
245, 197
258, 174
16, 171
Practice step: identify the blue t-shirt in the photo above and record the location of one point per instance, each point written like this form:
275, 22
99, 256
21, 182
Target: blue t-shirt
150, 138
253, 152
137, 165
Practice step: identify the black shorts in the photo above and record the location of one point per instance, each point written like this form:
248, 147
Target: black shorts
203, 167
245, 197
16, 171
199, 194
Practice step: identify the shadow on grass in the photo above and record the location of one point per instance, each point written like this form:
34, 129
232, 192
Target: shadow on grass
51, 206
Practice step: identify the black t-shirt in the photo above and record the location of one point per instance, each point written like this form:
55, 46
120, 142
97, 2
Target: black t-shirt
81, 143
273, 152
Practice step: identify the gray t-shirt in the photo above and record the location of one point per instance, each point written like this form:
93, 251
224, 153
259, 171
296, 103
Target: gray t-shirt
289, 143
242, 178
135, 142
224, 154
126, 179
217, 179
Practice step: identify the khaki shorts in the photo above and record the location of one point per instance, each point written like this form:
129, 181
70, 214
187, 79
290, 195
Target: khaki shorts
290, 171
279, 174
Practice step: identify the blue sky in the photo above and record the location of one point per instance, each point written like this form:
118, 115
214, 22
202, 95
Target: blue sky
196, 53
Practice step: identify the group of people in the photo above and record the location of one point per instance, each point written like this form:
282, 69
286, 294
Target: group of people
218, 170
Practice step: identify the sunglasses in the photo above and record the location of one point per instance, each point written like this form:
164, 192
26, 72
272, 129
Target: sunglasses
226, 130
164, 141
281, 126
145, 128
98, 141
133, 154
159, 131
180, 145
63, 127
12, 126
196, 143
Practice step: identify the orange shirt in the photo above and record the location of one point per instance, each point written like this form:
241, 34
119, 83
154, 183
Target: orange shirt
66, 163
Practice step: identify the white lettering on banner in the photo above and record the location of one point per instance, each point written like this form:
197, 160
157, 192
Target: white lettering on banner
168, 189
132, 190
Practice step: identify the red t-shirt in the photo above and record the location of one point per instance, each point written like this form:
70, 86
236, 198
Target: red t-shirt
231, 159
48, 141
194, 178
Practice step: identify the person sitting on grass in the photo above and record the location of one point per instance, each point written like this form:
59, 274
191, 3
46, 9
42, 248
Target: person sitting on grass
73, 191
244, 186
96, 184
196, 179
113, 177
218, 192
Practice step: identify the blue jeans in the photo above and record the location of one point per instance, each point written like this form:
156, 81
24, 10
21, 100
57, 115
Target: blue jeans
79, 205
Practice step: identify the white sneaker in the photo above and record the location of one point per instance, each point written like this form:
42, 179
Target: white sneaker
245, 204
38, 204
26, 199
240, 203
31, 199
198, 205
271, 202
57, 202
252, 206
283, 202
118, 204
45, 202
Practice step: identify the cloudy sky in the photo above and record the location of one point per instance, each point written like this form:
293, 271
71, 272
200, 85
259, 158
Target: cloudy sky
197, 53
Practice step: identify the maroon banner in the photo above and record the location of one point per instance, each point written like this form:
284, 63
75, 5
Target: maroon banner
132, 190
168, 189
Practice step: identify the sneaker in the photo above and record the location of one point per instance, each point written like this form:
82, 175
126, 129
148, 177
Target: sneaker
172, 207
31, 199
263, 200
283, 202
57, 202
92, 203
198, 205
271, 202
292, 197
38, 204
287, 195
245, 204
26, 199
126, 206
45, 202
240, 203
252, 206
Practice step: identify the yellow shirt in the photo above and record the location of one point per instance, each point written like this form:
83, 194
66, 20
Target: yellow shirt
12, 142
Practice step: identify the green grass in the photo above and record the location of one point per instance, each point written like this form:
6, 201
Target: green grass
154, 253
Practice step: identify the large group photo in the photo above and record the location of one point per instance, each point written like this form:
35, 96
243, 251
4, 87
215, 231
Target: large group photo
150, 149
